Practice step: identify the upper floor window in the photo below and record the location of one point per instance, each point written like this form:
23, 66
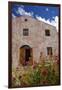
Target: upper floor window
25, 32
47, 32
49, 50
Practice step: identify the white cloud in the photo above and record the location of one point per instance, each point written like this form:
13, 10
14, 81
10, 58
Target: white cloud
47, 9
22, 6
13, 15
21, 11
52, 22
53, 17
55, 22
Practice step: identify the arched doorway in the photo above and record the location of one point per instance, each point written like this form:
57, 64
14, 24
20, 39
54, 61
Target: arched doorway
26, 55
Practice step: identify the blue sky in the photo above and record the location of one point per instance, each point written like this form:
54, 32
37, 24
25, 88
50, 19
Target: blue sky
47, 14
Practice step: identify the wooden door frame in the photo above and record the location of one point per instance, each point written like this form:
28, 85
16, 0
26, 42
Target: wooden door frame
30, 62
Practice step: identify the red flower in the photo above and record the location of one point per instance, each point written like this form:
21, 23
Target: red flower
44, 72
13, 78
34, 65
17, 68
45, 82
58, 61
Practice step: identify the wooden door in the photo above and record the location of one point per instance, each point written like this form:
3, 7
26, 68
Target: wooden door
31, 57
22, 56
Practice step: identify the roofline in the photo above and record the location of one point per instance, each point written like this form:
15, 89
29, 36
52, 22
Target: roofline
34, 19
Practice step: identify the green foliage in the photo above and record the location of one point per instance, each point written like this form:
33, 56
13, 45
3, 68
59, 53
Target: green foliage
42, 74
36, 76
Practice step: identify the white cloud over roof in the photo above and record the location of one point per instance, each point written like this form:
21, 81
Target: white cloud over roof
13, 15
21, 11
52, 22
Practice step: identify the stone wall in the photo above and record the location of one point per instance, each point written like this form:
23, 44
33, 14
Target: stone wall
36, 39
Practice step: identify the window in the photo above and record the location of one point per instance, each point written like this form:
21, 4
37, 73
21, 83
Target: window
49, 50
47, 32
25, 19
25, 32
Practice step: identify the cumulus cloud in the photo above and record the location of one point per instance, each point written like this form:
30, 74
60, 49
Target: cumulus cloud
13, 15
22, 6
56, 22
47, 9
21, 11
52, 22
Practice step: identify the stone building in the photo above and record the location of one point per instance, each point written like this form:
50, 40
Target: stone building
30, 39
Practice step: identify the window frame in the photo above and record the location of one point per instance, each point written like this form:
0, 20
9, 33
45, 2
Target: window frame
25, 32
49, 51
47, 32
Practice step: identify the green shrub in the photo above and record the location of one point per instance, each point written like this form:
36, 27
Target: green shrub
40, 74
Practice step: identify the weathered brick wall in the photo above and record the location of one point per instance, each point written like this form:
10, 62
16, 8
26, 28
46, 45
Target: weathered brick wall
36, 39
